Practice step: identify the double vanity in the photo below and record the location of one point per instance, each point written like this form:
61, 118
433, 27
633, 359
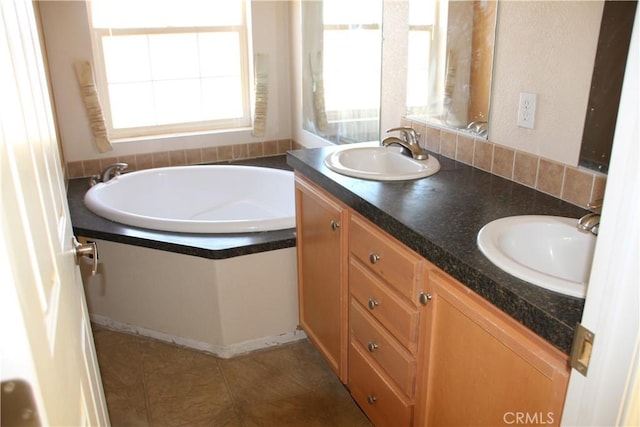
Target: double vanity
418, 323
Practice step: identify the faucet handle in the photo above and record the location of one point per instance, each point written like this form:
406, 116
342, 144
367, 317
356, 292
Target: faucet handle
409, 134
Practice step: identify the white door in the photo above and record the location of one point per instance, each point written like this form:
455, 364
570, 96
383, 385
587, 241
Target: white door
608, 395
46, 339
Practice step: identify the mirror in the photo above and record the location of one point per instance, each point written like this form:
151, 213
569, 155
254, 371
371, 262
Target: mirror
342, 58
447, 53
450, 63
606, 84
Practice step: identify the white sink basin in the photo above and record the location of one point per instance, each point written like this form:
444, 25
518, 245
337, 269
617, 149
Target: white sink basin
380, 164
547, 251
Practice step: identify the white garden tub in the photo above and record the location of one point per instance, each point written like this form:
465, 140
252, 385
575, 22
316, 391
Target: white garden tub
198, 199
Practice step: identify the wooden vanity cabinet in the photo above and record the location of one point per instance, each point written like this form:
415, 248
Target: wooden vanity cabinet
414, 346
321, 227
483, 367
384, 323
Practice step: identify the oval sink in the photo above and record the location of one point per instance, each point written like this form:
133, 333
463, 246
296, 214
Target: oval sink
380, 164
548, 251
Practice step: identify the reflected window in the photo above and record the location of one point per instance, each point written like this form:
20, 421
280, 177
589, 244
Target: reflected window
450, 60
342, 49
422, 35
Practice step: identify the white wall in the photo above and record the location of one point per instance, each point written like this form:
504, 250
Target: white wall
67, 39
547, 48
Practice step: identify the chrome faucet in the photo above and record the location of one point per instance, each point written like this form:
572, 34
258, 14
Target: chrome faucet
110, 172
591, 221
478, 127
409, 141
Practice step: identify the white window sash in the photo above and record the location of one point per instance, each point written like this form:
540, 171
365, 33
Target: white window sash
241, 122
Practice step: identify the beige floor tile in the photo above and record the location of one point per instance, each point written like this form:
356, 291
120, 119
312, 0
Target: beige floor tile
277, 374
122, 378
151, 383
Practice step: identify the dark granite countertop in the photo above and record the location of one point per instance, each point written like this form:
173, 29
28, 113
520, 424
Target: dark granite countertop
439, 218
213, 246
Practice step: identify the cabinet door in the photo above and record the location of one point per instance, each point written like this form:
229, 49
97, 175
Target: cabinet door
321, 239
483, 367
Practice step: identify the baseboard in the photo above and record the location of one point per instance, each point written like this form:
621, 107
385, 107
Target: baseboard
225, 352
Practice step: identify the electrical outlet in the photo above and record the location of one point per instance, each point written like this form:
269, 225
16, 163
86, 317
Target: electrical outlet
527, 110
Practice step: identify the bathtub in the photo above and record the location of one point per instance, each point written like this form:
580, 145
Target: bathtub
198, 199
224, 305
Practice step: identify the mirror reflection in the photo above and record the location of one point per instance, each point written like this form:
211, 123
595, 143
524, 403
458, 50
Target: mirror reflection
341, 69
448, 46
450, 62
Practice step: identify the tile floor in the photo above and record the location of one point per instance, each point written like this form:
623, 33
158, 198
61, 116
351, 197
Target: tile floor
151, 383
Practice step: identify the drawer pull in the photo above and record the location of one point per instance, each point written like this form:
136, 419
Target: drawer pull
334, 225
424, 298
371, 399
373, 303
374, 257
372, 347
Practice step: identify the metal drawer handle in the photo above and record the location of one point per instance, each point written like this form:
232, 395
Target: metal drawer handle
89, 249
373, 303
371, 399
424, 298
334, 225
372, 347
374, 257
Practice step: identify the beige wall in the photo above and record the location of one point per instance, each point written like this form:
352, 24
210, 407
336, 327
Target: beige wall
547, 48
67, 40
225, 307
543, 47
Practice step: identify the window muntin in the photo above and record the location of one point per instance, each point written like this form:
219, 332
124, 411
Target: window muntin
163, 67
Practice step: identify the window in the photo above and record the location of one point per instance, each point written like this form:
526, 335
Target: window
166, 66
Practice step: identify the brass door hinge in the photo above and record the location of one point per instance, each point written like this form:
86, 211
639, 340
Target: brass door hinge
581, 349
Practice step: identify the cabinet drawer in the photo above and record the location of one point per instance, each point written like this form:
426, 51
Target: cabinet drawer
400, 319
385, 256
379, 345
377, 398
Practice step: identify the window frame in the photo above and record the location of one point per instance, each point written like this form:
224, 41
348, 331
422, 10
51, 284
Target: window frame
141, 132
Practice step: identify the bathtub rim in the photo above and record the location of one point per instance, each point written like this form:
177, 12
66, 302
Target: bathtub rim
212, 246
157, 223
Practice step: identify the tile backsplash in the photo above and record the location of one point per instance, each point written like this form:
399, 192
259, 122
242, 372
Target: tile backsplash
86, 168
574, 185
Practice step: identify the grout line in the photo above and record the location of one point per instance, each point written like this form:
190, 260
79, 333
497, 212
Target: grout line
535, 181
562, 184
147, 403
